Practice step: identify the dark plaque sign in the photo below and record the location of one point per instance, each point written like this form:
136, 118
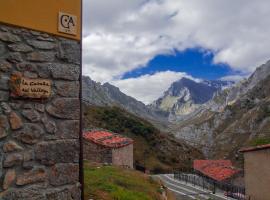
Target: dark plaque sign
30, 88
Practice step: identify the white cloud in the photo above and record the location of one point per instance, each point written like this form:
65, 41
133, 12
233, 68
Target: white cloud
122, 35
148, 88
108, 56
234, 78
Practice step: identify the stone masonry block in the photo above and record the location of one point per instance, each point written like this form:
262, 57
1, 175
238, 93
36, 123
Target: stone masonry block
62, 174
65, 108
62, 151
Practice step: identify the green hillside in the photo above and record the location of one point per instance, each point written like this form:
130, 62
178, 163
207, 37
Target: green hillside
112, 183
157, 151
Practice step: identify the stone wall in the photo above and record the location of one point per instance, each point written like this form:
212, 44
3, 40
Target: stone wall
123, 156
39, 138
96, 153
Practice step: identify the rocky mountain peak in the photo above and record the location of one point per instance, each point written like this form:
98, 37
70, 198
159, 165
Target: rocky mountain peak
186, 95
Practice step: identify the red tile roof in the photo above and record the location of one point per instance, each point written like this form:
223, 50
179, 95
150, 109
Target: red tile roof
107, 139
218, 170
261, 147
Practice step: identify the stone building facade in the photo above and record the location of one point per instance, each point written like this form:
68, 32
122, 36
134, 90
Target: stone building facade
110, 148
96, 153
257, 173
39, 138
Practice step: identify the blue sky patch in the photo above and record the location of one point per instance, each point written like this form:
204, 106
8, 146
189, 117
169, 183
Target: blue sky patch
195, 62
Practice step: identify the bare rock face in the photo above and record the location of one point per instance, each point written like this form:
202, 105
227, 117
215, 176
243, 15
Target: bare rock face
231, 95
15, 121
65, 108
231, 119
185, 96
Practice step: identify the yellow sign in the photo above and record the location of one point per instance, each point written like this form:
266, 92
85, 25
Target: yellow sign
30, 88
43, 15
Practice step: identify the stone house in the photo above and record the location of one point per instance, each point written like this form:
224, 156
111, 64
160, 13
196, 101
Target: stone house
106, 147
257, 173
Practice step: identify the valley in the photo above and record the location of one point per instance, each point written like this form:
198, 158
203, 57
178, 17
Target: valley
217, 117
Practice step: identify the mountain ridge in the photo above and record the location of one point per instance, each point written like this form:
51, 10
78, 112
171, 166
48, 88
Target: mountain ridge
185, 96
108, 95
232, 119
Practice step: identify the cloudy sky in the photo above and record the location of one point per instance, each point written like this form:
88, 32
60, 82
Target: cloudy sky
142, 46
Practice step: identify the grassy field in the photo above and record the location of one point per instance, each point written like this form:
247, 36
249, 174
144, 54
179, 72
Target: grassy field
113, 183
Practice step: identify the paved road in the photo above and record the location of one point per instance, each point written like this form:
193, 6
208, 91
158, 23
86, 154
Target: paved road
184, 191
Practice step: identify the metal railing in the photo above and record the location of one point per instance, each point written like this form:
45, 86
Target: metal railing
206, 183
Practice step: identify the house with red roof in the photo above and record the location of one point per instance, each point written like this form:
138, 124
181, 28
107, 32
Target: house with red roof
217, 170
106, 147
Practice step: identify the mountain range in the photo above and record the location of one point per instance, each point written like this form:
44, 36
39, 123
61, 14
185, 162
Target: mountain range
108, 95
231, 119
182, 98
218, 117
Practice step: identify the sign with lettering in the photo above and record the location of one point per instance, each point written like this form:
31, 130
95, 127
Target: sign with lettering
67, 23
30, 88
44, 16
